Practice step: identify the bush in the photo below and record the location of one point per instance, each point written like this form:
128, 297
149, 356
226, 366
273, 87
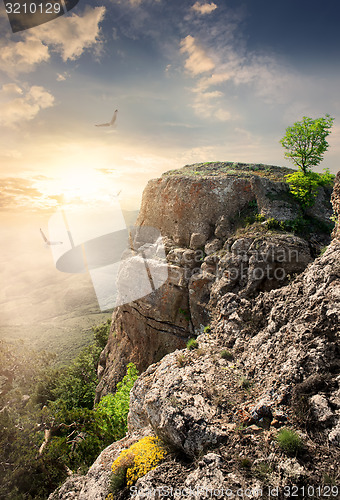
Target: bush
305, 186
61, 401
226, 355
274, 224
192, 344
289, 441
114, 408
137, 461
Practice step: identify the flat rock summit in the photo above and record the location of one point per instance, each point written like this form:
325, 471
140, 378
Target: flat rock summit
256, 282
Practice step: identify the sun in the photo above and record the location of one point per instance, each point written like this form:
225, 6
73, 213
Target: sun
83, 184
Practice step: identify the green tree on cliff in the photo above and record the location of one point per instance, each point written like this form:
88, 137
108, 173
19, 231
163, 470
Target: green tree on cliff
305, 144
305, 141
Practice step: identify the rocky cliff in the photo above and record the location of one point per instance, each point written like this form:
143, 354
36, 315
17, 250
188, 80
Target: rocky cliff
269, 359
201, 211
336, 206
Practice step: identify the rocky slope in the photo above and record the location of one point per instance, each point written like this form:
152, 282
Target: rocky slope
336, 206
199, 211
270, 360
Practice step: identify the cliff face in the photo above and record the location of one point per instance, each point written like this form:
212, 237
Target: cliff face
198, 210
336, 206
270, 360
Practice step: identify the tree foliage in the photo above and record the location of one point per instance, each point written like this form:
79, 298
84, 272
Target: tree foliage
36, 398
305, 141
305, 186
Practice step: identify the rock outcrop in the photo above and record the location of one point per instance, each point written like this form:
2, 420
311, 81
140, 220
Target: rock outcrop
269, 360
336, 206
199, 211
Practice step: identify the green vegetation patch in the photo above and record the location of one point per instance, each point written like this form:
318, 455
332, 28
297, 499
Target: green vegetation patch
235, 169
37, 397
289, 441
192, 344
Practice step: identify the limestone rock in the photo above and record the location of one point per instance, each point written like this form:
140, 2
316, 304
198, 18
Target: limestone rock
95, 484
321, 408
194, 213
336, 206
168, 398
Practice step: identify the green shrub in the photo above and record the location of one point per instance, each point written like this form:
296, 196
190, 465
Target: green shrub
114, 408
260, 218
305, 186
207, 329
323, 250
245, 463
289, 441
274, 224
192, 344
61, 400
226, 355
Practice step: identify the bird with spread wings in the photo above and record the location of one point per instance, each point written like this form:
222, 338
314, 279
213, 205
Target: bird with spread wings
48, 242
111, 122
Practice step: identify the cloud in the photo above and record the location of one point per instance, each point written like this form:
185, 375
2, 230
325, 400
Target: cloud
210, 105
18, 105
233, 70
61, 77
22, 56
198, 61
16, 192
71, 36
205, 8
11, 153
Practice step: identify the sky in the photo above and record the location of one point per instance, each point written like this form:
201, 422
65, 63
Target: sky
193, 81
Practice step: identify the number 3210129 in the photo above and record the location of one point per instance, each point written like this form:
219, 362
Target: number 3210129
34, 8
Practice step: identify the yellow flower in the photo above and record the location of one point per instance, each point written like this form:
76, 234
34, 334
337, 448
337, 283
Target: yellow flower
140, 458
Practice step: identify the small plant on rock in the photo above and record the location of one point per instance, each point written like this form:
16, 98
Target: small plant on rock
185, 313
245, 463
207, 329
226, 355
192, 344
244, 383
289, 441
181, 360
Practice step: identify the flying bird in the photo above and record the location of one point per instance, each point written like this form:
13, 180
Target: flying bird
111, 122
48, 242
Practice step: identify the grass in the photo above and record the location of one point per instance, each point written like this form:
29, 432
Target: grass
289, 441
226, 355
323, 250
235, 169
185, 313
181, 360
244, 383
192, 344
245, 463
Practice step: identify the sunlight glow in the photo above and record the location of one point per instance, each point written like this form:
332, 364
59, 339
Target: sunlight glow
82, 184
